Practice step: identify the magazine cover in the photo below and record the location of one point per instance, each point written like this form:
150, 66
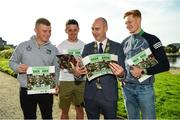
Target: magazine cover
41, 79
144, 59
98, 64
69, 58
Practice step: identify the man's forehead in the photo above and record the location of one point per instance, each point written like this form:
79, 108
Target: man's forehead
97, 24
71, 25
42, 26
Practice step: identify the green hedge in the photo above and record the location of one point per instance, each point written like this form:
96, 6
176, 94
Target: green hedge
5, 47
6, 53
4, 67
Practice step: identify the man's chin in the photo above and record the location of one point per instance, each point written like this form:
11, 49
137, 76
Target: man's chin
131, 32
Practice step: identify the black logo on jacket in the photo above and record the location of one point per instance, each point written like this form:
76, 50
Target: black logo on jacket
48, 52
29, 48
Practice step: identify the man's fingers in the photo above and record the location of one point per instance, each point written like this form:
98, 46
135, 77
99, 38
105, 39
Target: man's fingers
77, 64
82, 70
22, 68
115, 65
72, 65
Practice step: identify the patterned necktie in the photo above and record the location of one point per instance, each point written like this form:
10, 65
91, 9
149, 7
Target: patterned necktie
100, 48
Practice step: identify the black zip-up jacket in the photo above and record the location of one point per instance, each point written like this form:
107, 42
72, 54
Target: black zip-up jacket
159, 53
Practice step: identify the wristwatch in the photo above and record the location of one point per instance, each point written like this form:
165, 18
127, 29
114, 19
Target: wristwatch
143, 72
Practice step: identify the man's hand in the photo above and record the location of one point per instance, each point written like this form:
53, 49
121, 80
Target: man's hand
79, 70
136, 71
22, 68
117, 69
61, 66
56, 90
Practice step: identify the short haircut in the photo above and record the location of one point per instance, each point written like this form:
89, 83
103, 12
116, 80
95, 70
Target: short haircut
135, 13
103, 20
72, 21
43, 21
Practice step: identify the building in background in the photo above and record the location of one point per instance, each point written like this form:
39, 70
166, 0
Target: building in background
2, 42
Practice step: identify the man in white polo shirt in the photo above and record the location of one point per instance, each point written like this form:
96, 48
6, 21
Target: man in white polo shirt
71, 91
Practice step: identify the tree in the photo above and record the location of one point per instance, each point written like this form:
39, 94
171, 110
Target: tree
171, 48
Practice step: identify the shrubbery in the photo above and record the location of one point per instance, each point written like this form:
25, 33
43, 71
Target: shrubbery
6, 53
4, 67
5, 47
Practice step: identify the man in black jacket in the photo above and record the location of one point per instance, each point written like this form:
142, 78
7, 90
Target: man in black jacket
139, 93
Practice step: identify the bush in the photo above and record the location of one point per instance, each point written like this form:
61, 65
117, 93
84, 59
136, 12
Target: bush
171, 49
5, 47
6, 53
4, 67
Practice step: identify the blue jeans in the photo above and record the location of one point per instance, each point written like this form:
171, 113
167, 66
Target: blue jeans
139, 99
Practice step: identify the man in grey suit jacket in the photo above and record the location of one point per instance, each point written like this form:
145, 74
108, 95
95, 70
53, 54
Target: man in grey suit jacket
101, 93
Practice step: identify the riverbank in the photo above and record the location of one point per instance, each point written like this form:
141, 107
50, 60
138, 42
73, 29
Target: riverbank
174, 70
173, 54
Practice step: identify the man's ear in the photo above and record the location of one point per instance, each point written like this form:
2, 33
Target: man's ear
65, 30
35, 30
106, 28
138, 19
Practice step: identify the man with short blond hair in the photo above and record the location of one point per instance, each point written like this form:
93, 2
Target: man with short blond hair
38, 51
139, 96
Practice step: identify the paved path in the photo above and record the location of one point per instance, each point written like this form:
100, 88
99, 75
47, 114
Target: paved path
9, 100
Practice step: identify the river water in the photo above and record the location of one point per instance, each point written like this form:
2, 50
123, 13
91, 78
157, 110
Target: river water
174, 61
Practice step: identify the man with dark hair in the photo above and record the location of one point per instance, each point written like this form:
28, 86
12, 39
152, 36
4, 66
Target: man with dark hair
139, 96
71, 91
38, 51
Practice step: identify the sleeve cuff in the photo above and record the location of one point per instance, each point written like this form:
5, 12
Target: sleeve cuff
80, 78
120, 78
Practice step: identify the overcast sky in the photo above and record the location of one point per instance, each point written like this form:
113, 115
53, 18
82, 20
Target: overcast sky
159, 17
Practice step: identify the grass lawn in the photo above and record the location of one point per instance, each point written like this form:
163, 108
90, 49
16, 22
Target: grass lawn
167, 92
167, 88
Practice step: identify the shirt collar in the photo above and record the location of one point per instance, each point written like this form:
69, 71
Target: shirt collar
103, 42
139, 33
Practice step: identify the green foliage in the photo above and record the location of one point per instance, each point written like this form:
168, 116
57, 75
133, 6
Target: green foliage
6, 53
171, 49
5, 47
121, 112
4, 67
